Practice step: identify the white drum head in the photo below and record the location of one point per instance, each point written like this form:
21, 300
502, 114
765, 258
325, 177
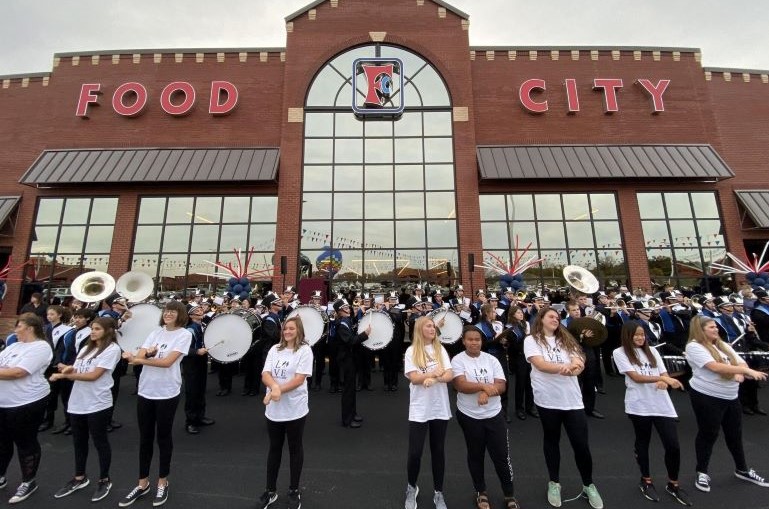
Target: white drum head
381, 330
451, 329
312, 321
228, 338
145, 318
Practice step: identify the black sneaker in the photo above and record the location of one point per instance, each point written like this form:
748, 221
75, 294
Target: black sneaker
3, 482
71, 487
678, 494
703, 482
102, 490
23, 492
751, 476
135, 494
294, 499
161, 496
267, 498
648, 490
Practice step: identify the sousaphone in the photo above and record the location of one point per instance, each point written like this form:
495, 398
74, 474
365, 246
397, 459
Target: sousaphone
92, 286
135, 286
580, 279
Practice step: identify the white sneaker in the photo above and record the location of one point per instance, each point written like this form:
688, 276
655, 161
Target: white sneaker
554, 494
438, 500
751, 476
703, 482
592, 496
411, 496
23, 492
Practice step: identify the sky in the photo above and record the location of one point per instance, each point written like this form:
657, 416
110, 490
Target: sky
730, 33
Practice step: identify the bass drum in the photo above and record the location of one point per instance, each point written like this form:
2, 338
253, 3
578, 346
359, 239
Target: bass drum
381, 329
145, 318
314, 322
451, 331
229, 336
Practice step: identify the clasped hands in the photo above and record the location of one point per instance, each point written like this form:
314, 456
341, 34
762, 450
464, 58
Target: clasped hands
576, 366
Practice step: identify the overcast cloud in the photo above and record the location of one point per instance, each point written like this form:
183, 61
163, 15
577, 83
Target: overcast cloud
730, 33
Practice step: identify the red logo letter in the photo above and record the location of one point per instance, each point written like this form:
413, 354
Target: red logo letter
380, 83
134, 109
177, 109
222, 108
656, 93
525, 95
571, 95
609, 86
89, 94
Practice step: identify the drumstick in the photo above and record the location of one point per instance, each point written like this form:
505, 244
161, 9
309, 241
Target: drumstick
214, 346
738, 338
661, 344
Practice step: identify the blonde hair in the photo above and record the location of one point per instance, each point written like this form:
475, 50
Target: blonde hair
697, 335
419, 354
562, 335
299, 334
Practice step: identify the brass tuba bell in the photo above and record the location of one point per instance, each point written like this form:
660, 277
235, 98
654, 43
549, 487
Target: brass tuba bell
580, 279
92, 286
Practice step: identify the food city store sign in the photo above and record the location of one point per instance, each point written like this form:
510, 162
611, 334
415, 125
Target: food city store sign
178, 98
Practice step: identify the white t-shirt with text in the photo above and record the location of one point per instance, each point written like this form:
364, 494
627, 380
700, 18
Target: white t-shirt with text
427, 403
483, 369
164, 383
92, 397
707, 381
33, 357
552, 390
644, 398
283, 366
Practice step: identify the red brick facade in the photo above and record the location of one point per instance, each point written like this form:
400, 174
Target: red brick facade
38, 113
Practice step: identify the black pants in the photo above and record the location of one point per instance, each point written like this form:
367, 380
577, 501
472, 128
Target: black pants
666, 428
120, 369
18, 426
417, 436
319, 362
278, 432
607, 349
226, 372
521, 371
390, 358
195, 373
332, 350
748, 394
575, 423
501, 356
712, 413
589, 377
53, 397
363, 359
487, 434
155, 414
249, 364
95, 424
349, 406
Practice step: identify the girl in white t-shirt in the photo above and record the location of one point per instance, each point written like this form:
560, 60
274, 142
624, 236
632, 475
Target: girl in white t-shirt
90, 404
23, 397
557, 359
160, 385
648, 404
428, 368
479, 380
286, 368
717, 372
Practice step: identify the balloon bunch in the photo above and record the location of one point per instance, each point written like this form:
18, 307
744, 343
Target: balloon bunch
239, 287
756, 270
511, 274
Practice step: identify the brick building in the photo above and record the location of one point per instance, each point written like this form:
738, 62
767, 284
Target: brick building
635, 163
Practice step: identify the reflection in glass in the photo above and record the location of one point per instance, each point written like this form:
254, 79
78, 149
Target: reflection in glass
380, 234
439, 177
437, 123
379, 206
76, 210
179, 210
551, 236
205, 238
262, 237
176, 238
526, 233
441, 234
264, 209
104, 211
378, 128
71, 239
705, 205
548, 207
348, 178
580, 234
683, 233
317, 178
348, 206
46, 239
410, 124
318, 151
410, 234
152, 210
347, 124
409, 177
147, 239
408, 150
520, 207
439, 150
650, 205
379, 178
678, 205
49, 211
348, 150
348, 234
236, 209
99, 239
607, 234
319, 125
492, 207
494, 236
234, 236
441, 205
575, 207
410, 205
379, 150
604, 206
316, 206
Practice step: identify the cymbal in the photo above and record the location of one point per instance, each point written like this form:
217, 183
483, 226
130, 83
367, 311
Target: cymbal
600, 332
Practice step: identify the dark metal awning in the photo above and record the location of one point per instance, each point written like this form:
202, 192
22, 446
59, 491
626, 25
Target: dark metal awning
756, 204
7, 205
601, 161
149, 165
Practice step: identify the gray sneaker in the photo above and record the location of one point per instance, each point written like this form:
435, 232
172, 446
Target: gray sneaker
554, 494
23, 492
438, 500
592, 496
411, 496
3, 481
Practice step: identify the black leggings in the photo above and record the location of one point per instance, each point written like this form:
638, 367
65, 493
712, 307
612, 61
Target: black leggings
417, 435
575, 423
712, 413
95, 423
152, 413
278, 431
491, 434
666, 428
18, 426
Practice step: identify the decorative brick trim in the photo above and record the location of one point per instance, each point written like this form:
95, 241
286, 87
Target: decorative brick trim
461, 114
656, 56
94, 59
420, 3
334, 3
56, 61
200, 57
636, 55
698, 57
220, 58
727, 76
765, 78
465, 24
472, 54
157, 58
137, 58
178, 58
441, 12
533, 55
282, 56
243, 56
115, 59
312, 14
512, 55
575, 54
490, 55
296, 115
290, 27
746, 77
708, 76
46, 79
377, 36
263, 56
75, 60
24, 82
555, 54
676, 56
6, 83
616, 54
593, 54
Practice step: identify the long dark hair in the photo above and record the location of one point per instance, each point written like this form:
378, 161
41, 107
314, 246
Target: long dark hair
110, 336
628, 331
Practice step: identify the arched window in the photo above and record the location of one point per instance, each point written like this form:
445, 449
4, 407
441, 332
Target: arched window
380, 192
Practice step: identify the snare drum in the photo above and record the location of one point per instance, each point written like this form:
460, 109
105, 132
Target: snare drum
675, 365
756, 360
451, 330
381, 329
229, 336
145, 318
314, 322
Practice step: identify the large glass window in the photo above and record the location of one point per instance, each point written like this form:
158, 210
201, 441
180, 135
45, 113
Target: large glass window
380, 192
71, 236
562, 229
683, 236
178, 239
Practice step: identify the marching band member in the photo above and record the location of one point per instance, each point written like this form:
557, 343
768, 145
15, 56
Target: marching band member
58, 320
748, 392
319, 348
760, 315
588, 378
23, 394
428, 368
285, 373
271, 325
717, 372
348, 340
648, 405
494, 343
364, 358
391, 357
517, 330
90, 405
459, 306
556, 360
195, 374
160, 386
479, 380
